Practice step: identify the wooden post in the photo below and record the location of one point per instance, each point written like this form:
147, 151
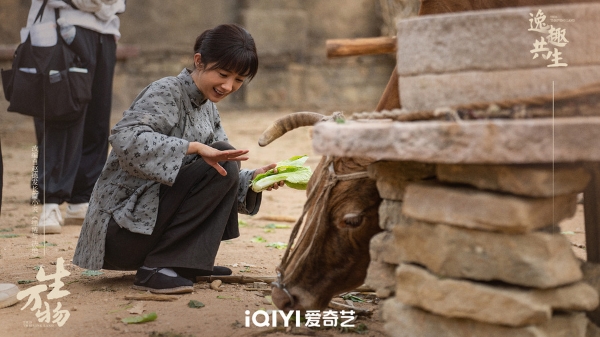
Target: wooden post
591, 211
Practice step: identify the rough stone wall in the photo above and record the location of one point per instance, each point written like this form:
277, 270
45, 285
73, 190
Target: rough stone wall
294, 71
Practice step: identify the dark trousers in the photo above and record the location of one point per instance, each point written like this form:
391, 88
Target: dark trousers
1, 175
71, 157
194, 215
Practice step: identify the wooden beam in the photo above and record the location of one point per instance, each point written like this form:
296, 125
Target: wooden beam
360, 46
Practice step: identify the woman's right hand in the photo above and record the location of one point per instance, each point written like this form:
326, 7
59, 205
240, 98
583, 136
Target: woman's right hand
213, 156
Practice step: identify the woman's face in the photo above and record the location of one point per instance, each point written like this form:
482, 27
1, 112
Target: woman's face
216, 84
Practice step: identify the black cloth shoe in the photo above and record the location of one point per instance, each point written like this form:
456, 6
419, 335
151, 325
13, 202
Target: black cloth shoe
191, 274
158, 283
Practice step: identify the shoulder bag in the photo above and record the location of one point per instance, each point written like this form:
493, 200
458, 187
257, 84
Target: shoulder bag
51, 83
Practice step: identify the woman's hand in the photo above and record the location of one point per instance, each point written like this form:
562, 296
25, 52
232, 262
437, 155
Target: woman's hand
265, 169
213, 156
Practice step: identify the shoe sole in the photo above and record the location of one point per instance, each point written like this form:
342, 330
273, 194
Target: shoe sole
51, 229
178, 290
8, 302
12, 292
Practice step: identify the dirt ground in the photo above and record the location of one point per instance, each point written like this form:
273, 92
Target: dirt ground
97, 303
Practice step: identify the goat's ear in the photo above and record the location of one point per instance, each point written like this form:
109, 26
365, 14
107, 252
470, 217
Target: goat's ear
351, 220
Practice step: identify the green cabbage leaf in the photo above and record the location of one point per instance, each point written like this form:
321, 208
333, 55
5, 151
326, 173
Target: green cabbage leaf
292, 171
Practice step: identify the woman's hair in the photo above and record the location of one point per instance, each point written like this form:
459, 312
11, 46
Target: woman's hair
231, 47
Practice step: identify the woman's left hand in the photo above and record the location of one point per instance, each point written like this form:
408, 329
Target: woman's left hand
265, 169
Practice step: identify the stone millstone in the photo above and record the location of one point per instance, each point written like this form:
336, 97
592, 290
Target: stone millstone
510, 306
405, 321
521, 141
472, 208
457, 60
527, 180
539, 260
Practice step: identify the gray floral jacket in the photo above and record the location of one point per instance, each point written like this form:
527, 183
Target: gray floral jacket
149, 147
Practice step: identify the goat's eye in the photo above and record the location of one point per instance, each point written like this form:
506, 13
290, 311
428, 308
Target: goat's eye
353, 219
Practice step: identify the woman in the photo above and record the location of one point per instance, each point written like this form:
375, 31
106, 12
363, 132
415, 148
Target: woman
172, 186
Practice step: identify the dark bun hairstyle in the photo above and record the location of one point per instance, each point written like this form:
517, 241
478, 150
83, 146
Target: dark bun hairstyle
230, 47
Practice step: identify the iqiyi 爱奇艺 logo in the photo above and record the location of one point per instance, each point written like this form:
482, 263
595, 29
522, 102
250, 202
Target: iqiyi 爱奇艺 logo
550, 41
312, 318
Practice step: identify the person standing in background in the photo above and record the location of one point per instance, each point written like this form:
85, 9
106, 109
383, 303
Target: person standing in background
1, 177
72, 155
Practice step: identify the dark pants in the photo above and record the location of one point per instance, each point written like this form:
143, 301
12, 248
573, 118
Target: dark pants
194, 215
1, 175
72, 156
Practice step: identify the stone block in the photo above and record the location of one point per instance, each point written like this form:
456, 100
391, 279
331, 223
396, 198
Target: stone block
527, 180
392, 177
472, 208
512, 306
468, 41
405, 321
381, 276
428, 92
539, 260
381, 246
544, 140
390, 215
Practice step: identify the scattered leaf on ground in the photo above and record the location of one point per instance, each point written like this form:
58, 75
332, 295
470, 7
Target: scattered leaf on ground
140, 319
26, 281
568, 233
242, 223
258, 239
8, 236
352, 298
91, 273
225, 297
46, 244
195, 304
278, 245
6, 229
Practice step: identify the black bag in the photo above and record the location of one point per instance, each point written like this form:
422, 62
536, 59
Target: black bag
51, 83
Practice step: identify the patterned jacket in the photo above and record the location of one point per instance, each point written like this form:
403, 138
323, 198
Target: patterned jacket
149, 147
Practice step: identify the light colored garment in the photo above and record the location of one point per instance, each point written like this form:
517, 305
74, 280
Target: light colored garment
149, 147
104, 21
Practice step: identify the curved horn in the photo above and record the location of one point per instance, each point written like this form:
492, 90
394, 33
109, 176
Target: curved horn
289, 123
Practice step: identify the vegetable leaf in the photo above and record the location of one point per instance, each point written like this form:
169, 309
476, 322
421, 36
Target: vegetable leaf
291, 171
195, 304
140, 319
278, 245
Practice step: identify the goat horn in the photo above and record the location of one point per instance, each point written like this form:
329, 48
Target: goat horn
289, 123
